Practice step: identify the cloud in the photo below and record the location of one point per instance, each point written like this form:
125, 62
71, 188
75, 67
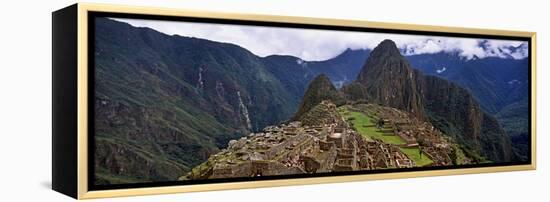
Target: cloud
312, 44
501, 48
439, 71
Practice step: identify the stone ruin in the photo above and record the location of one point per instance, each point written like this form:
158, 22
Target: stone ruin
327, 146
293, 149
414, 132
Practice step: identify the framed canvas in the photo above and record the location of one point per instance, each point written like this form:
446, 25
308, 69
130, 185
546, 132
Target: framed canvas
155, 100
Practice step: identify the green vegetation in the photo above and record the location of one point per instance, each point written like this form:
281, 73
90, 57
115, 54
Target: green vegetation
365, 125
414, 154
514, 120
457, 155
453, 131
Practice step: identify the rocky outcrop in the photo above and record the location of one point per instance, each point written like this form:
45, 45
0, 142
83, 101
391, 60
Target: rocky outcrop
319, 89
389, 80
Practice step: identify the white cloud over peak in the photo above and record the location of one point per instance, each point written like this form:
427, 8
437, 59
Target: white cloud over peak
313, 44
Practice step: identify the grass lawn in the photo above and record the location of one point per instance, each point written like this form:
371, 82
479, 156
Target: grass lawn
414, 154
365, 126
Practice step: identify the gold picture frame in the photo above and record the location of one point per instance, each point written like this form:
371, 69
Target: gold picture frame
75, 20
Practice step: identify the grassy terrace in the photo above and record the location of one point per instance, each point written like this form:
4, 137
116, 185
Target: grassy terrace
365, 125
414, 154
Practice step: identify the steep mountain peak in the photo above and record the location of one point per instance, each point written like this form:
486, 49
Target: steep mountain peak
384, 58
390, 80
386, 48
318, 90
321, 79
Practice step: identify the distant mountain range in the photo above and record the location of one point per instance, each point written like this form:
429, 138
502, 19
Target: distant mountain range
165, 103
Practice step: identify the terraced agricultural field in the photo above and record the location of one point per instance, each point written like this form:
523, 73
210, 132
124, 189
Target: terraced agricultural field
365, 125
414, 154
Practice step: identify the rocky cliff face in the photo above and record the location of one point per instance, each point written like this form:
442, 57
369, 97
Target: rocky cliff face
389, 80
462, 117
446, 99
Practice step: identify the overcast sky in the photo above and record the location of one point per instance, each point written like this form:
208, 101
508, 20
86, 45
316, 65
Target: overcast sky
312, 44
